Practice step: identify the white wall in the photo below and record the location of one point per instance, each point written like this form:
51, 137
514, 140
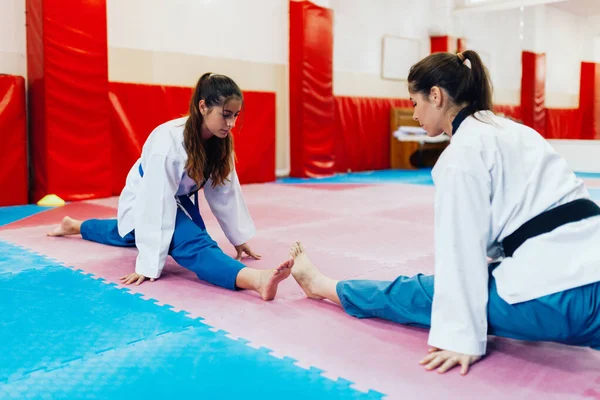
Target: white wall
564, 36
593, 29
582, 155
495, 36
254, 30
13, 49
359, 28
501, 36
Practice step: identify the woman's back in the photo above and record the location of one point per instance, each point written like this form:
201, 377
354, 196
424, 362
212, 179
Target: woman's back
523, 177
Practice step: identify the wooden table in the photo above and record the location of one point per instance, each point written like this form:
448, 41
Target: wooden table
414, 153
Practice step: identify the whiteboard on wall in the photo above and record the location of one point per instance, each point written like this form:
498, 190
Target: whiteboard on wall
398, 55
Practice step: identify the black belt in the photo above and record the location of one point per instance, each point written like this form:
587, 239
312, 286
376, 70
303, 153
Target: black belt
549, 220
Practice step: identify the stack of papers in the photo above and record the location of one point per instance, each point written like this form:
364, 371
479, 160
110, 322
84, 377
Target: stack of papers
418, 134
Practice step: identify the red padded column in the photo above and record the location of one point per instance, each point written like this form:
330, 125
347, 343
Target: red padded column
533, 91
13, 141
67, 65
589, 100
311, 90
442, 44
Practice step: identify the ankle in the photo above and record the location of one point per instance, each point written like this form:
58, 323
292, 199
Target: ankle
316, 284
248, 279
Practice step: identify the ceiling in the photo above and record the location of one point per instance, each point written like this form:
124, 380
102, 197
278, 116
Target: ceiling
582, 8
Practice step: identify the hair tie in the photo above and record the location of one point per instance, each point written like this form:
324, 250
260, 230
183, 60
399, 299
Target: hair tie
465, 61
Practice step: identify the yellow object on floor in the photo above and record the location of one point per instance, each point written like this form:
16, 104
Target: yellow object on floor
51, 200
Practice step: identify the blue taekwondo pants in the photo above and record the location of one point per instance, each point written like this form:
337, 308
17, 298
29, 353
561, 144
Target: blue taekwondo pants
191, 245
569, 317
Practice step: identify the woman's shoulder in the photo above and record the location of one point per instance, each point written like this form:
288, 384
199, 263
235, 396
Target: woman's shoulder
167, 138
175, 126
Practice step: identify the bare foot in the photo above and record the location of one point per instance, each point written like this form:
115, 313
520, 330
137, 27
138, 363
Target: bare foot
270, 279
304, 272
68, 226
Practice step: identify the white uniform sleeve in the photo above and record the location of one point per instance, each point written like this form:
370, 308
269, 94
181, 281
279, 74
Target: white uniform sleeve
462, 225
154, 214
227, 204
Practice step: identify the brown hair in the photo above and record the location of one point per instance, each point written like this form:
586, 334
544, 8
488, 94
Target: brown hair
464, 84
213, 159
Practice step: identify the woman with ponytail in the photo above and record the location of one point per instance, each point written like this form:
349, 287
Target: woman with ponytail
516, 234
156, 214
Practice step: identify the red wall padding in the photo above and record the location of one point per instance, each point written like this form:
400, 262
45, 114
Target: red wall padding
13, 141
589, 100
563, 123
533, 90
138, 109
362, 132
255, 138
312, 138
510, 111
135, 111
68, 77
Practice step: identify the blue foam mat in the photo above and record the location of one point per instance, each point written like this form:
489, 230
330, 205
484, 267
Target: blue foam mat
593, 175
15, 213
419, 177
415, 177
64, 334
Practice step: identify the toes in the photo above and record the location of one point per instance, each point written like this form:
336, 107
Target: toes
294, 250
283, 267
279, 267
297, 249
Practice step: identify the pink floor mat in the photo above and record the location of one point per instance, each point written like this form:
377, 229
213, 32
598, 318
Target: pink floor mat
592, 183
374, 232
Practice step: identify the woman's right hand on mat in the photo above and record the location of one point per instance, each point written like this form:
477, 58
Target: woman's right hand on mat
445, 360
131, 278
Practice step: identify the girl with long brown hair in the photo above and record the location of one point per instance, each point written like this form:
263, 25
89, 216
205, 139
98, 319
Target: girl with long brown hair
156, 214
